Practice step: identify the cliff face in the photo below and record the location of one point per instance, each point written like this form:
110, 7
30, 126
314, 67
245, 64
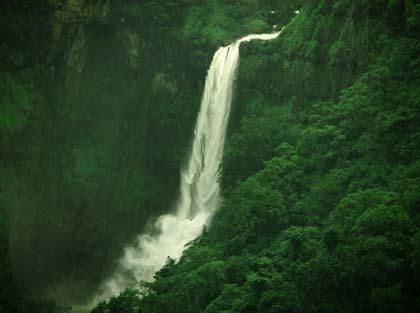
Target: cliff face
94, 159
70, 38
77, 27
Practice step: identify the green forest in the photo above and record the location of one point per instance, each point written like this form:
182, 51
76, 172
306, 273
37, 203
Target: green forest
320, 178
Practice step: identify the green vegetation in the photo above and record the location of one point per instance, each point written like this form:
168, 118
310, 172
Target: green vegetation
321, 174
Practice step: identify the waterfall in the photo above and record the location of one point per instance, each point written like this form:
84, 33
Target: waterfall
199, 187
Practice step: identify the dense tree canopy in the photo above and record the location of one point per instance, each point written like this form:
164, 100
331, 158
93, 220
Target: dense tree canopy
320, 174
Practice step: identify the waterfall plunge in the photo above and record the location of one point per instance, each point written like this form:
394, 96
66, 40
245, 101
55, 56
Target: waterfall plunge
199, 191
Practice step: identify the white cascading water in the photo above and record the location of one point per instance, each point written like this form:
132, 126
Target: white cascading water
199, 192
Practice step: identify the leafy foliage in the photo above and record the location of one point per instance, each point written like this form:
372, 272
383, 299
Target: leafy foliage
321, 180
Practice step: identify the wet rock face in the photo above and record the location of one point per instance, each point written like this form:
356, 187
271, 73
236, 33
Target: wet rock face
79, 28
112, 96
71, 35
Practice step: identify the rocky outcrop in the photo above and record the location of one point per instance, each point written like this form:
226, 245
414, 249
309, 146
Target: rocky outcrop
112, 128
75, 25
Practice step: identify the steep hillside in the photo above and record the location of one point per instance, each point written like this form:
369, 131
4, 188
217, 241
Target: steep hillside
321, 175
